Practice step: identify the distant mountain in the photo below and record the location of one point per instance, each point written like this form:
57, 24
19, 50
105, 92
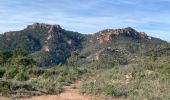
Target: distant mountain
122, 45
50, 44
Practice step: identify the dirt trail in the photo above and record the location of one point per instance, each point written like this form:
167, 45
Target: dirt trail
69, 93
3, 98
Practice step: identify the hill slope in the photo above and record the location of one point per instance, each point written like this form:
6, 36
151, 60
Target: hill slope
122, 45
50, 44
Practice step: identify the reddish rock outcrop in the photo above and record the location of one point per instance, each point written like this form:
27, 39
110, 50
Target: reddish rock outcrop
108, 34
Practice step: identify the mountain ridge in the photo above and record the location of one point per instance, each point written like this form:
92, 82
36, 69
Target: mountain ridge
51, 44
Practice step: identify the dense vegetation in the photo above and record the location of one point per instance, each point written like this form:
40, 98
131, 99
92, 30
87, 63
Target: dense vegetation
20, 76
36, 38
148, 79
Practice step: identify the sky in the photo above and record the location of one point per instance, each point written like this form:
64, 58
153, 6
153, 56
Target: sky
88, 16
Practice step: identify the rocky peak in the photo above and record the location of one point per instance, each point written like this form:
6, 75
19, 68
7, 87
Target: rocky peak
108, 34
50, 28
129, 29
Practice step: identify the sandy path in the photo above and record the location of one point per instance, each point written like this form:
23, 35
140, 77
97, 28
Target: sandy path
69, 93
3, 98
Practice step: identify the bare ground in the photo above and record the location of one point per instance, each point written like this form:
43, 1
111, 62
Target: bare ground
70, 93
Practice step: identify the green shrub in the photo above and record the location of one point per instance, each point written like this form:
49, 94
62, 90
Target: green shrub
114, 90
17, 85
35, 72
63, 74
26, 61
22, 76
4, 88
112, 64
11, 73
47, 73
88, 88
110, 90
2, 72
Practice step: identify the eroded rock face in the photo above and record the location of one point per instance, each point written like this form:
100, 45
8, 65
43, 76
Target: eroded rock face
52, 32
46, 49
49, 37
108, 34
70, 42
9, 35
49, 27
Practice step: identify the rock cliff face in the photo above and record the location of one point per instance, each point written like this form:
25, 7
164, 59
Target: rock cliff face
50, 28
108, 34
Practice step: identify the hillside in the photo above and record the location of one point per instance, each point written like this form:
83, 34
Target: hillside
50, 44
123, 45
119, 64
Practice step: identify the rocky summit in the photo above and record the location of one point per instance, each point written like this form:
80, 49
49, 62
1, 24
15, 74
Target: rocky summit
108, 34
50, 28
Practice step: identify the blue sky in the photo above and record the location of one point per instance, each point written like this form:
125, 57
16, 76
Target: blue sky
89, 16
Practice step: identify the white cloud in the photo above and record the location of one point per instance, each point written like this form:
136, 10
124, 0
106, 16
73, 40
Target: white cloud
86, 16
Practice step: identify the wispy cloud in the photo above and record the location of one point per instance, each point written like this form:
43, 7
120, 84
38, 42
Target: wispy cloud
88, 16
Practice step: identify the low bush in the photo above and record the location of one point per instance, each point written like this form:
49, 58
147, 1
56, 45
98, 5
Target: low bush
2, 72
11, 73
5, 88
132, 82
22, 76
